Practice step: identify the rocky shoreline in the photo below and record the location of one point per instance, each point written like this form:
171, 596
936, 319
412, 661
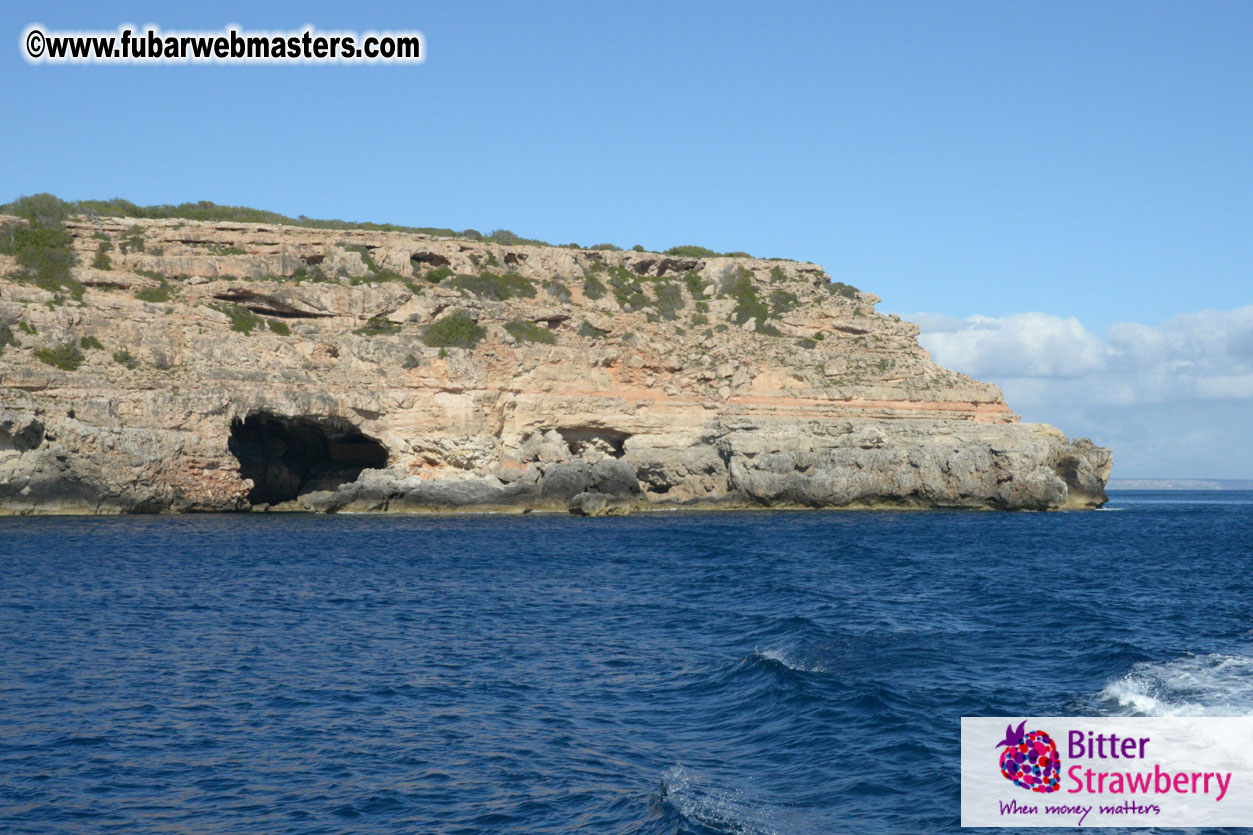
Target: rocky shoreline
184, 366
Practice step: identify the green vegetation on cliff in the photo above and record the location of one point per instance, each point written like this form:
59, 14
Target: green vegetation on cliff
65, 356
54, 211
524, 331
41, 245
492, 286
242, 319
456, 330
377, 326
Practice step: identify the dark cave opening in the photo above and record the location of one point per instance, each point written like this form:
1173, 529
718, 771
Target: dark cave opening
289, 456
609, 441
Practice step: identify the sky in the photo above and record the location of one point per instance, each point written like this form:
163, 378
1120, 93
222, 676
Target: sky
1061, 194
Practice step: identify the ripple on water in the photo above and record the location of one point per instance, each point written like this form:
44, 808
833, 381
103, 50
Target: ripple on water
726, 673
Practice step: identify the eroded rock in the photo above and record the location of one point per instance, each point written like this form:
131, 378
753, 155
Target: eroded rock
603, 381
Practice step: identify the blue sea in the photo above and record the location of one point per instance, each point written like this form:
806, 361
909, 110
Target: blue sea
662, 673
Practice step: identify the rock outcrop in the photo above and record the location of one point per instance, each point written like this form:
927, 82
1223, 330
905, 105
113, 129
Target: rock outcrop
228, 366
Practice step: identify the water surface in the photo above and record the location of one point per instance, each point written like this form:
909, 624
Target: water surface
737, 673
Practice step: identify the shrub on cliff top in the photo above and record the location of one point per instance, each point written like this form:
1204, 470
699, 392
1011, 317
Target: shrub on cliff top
524, 331
504, 236
839, 288
701, 252
40, 209
691, 252
209, 211
42, 245
456, 330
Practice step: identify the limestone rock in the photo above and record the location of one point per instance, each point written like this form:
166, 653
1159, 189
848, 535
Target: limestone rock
598, 504
245, 366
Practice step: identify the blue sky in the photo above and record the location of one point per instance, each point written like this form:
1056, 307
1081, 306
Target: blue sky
1085, 161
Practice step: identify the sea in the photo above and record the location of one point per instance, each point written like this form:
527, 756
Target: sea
754, 672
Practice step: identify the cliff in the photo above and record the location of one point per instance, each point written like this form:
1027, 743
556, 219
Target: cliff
200, 366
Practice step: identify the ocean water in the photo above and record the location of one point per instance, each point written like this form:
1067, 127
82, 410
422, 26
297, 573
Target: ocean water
704, 673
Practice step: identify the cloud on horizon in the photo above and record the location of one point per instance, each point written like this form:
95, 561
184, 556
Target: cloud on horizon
1175, 400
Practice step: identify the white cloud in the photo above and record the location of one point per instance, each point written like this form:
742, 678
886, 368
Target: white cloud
1207, 355
1022, 345
1174, 400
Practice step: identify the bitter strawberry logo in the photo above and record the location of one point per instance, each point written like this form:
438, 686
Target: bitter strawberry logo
1030, 759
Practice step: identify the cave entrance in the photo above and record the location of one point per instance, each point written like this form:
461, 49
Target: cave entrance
288, 456
581, 438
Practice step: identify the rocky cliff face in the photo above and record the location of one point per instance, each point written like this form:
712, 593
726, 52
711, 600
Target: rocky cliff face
226, 366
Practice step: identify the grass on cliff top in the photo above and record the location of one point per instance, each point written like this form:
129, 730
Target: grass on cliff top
204, 210
524, 331
701, 252
456, 330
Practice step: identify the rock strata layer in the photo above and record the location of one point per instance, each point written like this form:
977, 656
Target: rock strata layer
230, 366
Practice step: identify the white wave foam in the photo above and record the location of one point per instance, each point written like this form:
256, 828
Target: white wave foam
1197, 685
787, 660
721, 811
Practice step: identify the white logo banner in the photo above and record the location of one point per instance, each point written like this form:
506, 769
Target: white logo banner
1119, 771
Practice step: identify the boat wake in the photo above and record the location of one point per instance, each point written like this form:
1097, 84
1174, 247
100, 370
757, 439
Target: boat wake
1196, 685
708, 809
785, 659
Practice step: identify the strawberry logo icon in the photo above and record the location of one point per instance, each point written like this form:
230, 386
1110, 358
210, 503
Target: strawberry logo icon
1030, 759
